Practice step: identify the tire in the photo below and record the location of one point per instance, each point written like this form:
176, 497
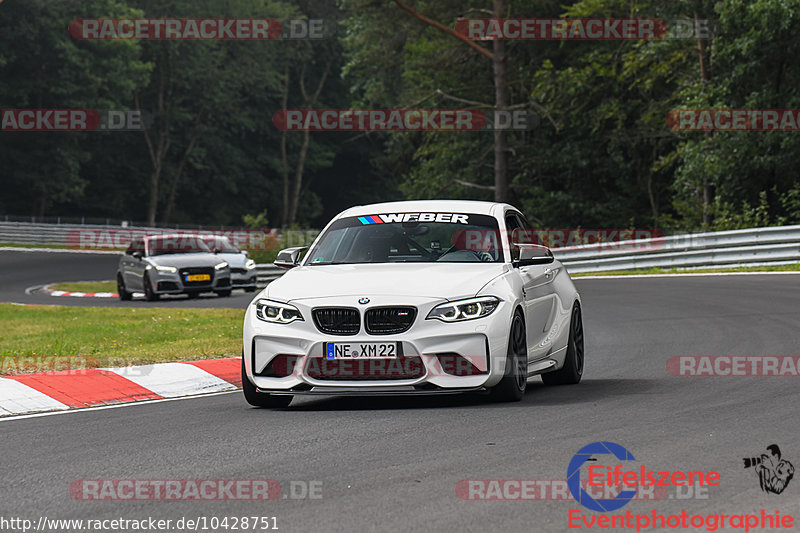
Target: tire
261, 399
515, 377
148, 289
250, 289
224, 294
124, 295
572, 371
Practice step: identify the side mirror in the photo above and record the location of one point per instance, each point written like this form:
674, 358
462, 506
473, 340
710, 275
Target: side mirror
533, 254
245, 253
289, 257
138, 255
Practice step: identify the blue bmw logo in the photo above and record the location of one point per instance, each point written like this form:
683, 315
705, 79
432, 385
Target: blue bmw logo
363, 301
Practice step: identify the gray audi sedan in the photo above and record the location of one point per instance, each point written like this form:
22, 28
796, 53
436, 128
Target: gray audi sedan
171, 264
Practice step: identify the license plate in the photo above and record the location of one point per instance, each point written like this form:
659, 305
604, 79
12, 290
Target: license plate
197, 277
360, 350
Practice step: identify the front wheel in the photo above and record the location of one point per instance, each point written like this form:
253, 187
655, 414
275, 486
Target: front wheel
261, 399
149, 293
122, 292
515, 379
224, 294
572, 371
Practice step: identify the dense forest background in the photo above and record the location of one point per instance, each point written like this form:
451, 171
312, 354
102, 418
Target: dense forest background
601, 155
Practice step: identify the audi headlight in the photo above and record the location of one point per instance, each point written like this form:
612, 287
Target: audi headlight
276, 312
464, 309
220, 266
162, 268
250, 264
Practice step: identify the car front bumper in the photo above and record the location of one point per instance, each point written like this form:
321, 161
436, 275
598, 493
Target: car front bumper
439, 353
173, 283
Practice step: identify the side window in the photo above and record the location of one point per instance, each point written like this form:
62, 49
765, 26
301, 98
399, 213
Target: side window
137, 245
131, 247
527, 234
513, 227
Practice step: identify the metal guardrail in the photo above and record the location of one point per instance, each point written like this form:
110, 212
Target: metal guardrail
757, 246
28, 233
267, 273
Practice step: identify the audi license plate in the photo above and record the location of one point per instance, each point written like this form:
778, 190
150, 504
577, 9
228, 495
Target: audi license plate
361, 350
197, 277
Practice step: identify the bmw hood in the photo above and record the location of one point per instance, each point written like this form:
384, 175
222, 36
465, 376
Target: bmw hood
433, 280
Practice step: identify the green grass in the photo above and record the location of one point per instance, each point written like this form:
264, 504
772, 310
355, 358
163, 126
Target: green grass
101, 336
259, 256
86, 286
769, 268
20, 245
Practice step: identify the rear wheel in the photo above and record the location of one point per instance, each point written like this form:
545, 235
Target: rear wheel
148, 289
515, 379
261, 399
572, 371
123, 294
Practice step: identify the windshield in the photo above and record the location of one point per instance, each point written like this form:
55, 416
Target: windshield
407, 238
176, 244
220, 244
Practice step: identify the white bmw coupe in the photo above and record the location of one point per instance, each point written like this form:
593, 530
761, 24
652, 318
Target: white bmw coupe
417, 297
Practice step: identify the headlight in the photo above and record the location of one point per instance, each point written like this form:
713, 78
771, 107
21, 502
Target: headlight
464, 309
250, 264
162, 268
221, 266
276, 312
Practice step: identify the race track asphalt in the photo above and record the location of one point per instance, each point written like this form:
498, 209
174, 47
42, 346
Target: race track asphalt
392, 464
21, 271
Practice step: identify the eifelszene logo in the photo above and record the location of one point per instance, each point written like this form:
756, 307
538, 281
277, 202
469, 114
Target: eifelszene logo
617, 477
774, 473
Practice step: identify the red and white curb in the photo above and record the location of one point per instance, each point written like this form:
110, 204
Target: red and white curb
53, 292
85, 294
91, 387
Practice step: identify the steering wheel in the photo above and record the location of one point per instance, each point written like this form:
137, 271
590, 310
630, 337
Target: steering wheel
485, 257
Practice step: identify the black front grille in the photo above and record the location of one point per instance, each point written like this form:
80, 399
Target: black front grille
238, 271
167, 286
401, 367
337, 320
189, 271
389, 320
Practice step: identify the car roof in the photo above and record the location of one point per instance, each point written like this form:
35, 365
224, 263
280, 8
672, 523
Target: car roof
414, 206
